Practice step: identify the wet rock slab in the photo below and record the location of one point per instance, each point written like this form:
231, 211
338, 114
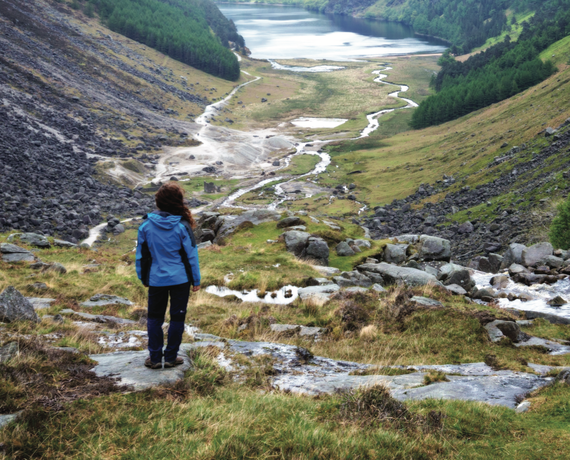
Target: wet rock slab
318, 375
128, 367
6, 419
103, 300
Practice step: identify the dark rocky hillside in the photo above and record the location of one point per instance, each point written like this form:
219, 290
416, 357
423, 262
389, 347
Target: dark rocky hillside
67, 100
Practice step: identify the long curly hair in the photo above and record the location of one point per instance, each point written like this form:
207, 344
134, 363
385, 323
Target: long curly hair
170, 198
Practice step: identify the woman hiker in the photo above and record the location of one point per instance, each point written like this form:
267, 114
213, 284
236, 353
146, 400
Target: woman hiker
167, 264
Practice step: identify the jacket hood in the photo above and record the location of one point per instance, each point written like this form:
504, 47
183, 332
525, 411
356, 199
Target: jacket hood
164, 220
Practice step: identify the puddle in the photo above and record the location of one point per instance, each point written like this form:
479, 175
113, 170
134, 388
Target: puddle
283, 296
314, 123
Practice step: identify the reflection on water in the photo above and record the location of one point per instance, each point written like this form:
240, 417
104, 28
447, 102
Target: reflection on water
278, 32
283, 296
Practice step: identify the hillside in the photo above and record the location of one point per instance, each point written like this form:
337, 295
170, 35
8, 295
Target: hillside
180, 29
75, 94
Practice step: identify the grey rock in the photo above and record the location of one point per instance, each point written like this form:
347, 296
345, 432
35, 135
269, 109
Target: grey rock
15, 307
38, 286
344, 250
393, 274
318, 293
362, 244
498, 329
57, 268
513, 255
395, 253
426, 302
378, 288
455, 289
8, 351
302, 331
32, 239
353, 278
300, 228
456, 274
229, 224
118, 229
13, 253
40, 303
203, 245
412, 239
554, 348
103, 300
331, 225
317, 250
499, 281
484, 294
7, 419
327, 271
97, 318
551, 318
356, 290
517, 269
465, 227
483, 264
523, 407
296, 241
557, 301
63, 244
434, 248
553, 261
128, 367
536, 254
290, 222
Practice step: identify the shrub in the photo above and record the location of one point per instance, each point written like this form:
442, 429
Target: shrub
560, 227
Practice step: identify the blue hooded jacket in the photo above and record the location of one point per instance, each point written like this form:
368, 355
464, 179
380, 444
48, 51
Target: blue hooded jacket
167, 254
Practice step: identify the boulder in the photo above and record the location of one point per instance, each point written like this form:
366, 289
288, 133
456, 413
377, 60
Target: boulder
465, 227
327, 271
378, 288
517, 269
483, 264
412, 239
434, 248
498, 329
290, 222
499, 281
317, 250
536, 254
32, 239
557, 301
553, 261
63, 244
513, 255
362, 244
296, 241
102, 300
8, 351
353, 278
426, 302
15, 307
456, 274
13, 253
229, 224
302, 331
455, 289
320, 294
395, 253
393, 274
356, 290
343, 249
485, 294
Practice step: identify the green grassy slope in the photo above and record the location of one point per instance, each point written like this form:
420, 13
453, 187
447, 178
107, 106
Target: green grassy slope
393, 168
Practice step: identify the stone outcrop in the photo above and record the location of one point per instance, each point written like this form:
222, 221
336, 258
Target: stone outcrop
393, 274
15, 307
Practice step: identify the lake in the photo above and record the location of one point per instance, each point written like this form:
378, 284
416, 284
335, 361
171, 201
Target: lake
285, 32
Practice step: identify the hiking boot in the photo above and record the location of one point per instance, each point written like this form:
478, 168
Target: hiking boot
177, 362
148, 363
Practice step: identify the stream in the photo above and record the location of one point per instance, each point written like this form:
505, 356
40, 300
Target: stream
301, 148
